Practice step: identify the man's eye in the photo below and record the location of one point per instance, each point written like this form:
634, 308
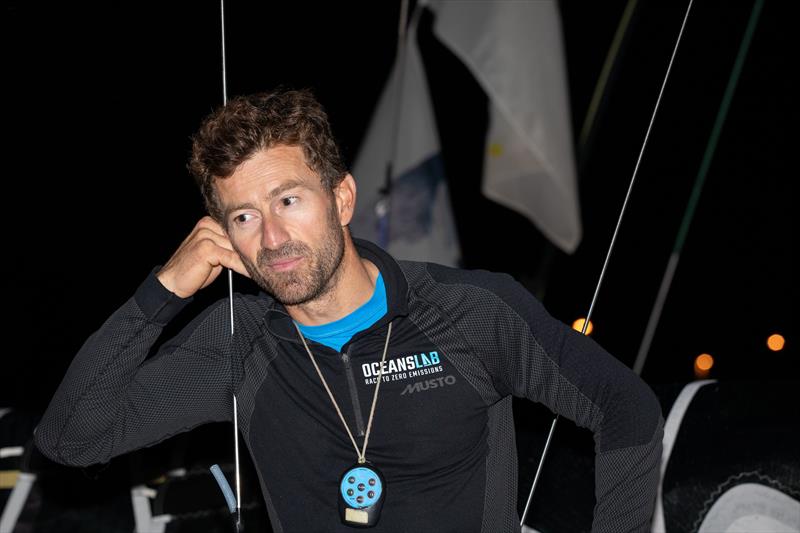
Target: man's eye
289, 200
242, 218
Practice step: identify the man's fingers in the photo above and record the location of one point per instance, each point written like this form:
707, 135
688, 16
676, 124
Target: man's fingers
208, 237
200, 259
234, 262
213, 274
220, 253
208, 232
206, 227
209, 223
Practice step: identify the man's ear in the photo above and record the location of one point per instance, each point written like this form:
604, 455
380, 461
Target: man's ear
344, 195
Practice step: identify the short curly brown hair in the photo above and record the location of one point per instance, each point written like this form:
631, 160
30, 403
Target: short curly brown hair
247, 124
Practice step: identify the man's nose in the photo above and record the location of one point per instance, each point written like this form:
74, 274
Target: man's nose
274, 233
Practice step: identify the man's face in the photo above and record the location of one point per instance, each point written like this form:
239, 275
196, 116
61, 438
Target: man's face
284, 224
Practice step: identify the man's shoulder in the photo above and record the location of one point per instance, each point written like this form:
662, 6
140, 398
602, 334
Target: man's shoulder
255, 306
247, 308
428, 275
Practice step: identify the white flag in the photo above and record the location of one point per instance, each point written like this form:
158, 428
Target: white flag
515, 52
414, 220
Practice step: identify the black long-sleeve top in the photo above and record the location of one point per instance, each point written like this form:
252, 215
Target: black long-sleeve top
463, 343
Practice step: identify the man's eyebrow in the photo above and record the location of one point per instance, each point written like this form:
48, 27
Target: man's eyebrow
280, 189
283, 187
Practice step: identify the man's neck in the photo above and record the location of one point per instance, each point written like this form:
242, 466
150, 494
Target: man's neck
351, 288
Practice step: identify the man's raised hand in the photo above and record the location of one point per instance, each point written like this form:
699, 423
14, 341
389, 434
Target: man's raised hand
199, 259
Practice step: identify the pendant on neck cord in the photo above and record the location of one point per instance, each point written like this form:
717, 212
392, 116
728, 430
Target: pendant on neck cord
362, 487
362, 490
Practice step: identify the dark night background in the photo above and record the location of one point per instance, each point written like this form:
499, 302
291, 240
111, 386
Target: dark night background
100, 102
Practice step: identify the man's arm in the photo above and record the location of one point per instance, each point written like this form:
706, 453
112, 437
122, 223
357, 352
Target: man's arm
112, 400
546, 361
530, 354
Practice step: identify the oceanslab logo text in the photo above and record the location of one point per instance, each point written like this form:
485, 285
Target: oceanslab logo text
403, 367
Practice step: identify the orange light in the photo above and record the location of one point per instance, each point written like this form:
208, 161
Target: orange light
776, 342
578, 326
702, 365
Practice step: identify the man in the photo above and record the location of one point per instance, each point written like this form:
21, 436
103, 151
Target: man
371, 391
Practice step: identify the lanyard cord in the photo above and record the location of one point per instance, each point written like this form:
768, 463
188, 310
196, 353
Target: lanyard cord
362, 454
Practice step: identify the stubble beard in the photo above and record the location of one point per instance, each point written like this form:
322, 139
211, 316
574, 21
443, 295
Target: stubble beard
317, 275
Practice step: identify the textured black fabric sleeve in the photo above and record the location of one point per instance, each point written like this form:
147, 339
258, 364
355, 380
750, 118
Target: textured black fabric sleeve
530, 354
547, 361
112, 400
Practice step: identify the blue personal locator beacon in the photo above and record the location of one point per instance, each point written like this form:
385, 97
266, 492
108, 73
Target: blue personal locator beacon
362, 489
